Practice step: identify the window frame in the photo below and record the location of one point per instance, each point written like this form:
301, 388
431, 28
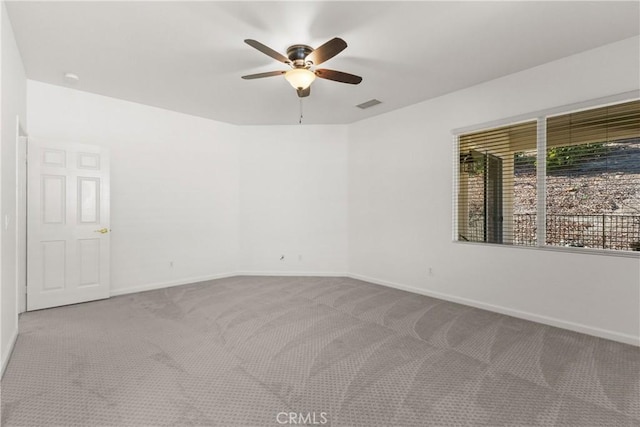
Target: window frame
540, 117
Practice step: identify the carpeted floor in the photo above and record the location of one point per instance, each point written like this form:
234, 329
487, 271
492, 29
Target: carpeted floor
248, 351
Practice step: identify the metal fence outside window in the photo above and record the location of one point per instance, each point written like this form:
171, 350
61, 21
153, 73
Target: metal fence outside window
621, 232
604, 231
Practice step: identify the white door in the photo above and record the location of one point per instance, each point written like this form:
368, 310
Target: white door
67, 224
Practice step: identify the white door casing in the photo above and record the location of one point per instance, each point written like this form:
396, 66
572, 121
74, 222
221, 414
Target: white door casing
67, 224
21, 221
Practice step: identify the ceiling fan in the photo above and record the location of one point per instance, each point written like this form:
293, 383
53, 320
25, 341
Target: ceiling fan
301, 58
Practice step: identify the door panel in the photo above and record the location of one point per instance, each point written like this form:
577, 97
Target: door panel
53, 199
88, 161
54, 260
68, 250
89, 262
52, 157
89, 200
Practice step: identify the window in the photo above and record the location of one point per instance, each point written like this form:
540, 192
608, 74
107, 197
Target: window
589, 176
494, 192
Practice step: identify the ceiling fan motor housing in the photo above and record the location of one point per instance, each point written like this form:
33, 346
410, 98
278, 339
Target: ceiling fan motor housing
297, 54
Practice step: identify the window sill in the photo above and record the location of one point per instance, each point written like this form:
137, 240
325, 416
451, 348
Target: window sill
549, 248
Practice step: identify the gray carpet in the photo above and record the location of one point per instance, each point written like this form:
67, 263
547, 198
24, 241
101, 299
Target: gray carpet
243, 351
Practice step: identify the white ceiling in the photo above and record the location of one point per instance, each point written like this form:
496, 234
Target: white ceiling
189, 56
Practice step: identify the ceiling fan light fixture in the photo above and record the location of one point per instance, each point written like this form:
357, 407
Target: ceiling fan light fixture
300, 78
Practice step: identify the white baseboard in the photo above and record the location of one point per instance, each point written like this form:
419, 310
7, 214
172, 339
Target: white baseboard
551, 321
291, 273
178, 282
7, 354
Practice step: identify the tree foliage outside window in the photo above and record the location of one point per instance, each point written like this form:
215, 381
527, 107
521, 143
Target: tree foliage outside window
573, 156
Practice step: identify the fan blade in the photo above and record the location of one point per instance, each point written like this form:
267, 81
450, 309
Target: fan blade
267, 51
338, 76
327, 51
261, 75
304, 92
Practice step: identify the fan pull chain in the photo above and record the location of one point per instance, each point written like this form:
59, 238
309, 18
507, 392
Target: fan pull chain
300, 121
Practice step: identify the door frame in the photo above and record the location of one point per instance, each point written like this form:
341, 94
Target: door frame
22, 142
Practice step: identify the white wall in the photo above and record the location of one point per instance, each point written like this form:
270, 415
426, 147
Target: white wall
293, 199
13, 93
400, 204
174, 184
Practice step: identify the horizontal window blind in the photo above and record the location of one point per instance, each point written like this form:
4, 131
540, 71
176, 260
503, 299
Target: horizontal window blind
593, 178
493, 165
590, 177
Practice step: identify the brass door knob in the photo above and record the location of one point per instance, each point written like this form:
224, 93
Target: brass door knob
102, 231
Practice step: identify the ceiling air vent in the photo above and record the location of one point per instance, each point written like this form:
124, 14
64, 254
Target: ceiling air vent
369, 103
